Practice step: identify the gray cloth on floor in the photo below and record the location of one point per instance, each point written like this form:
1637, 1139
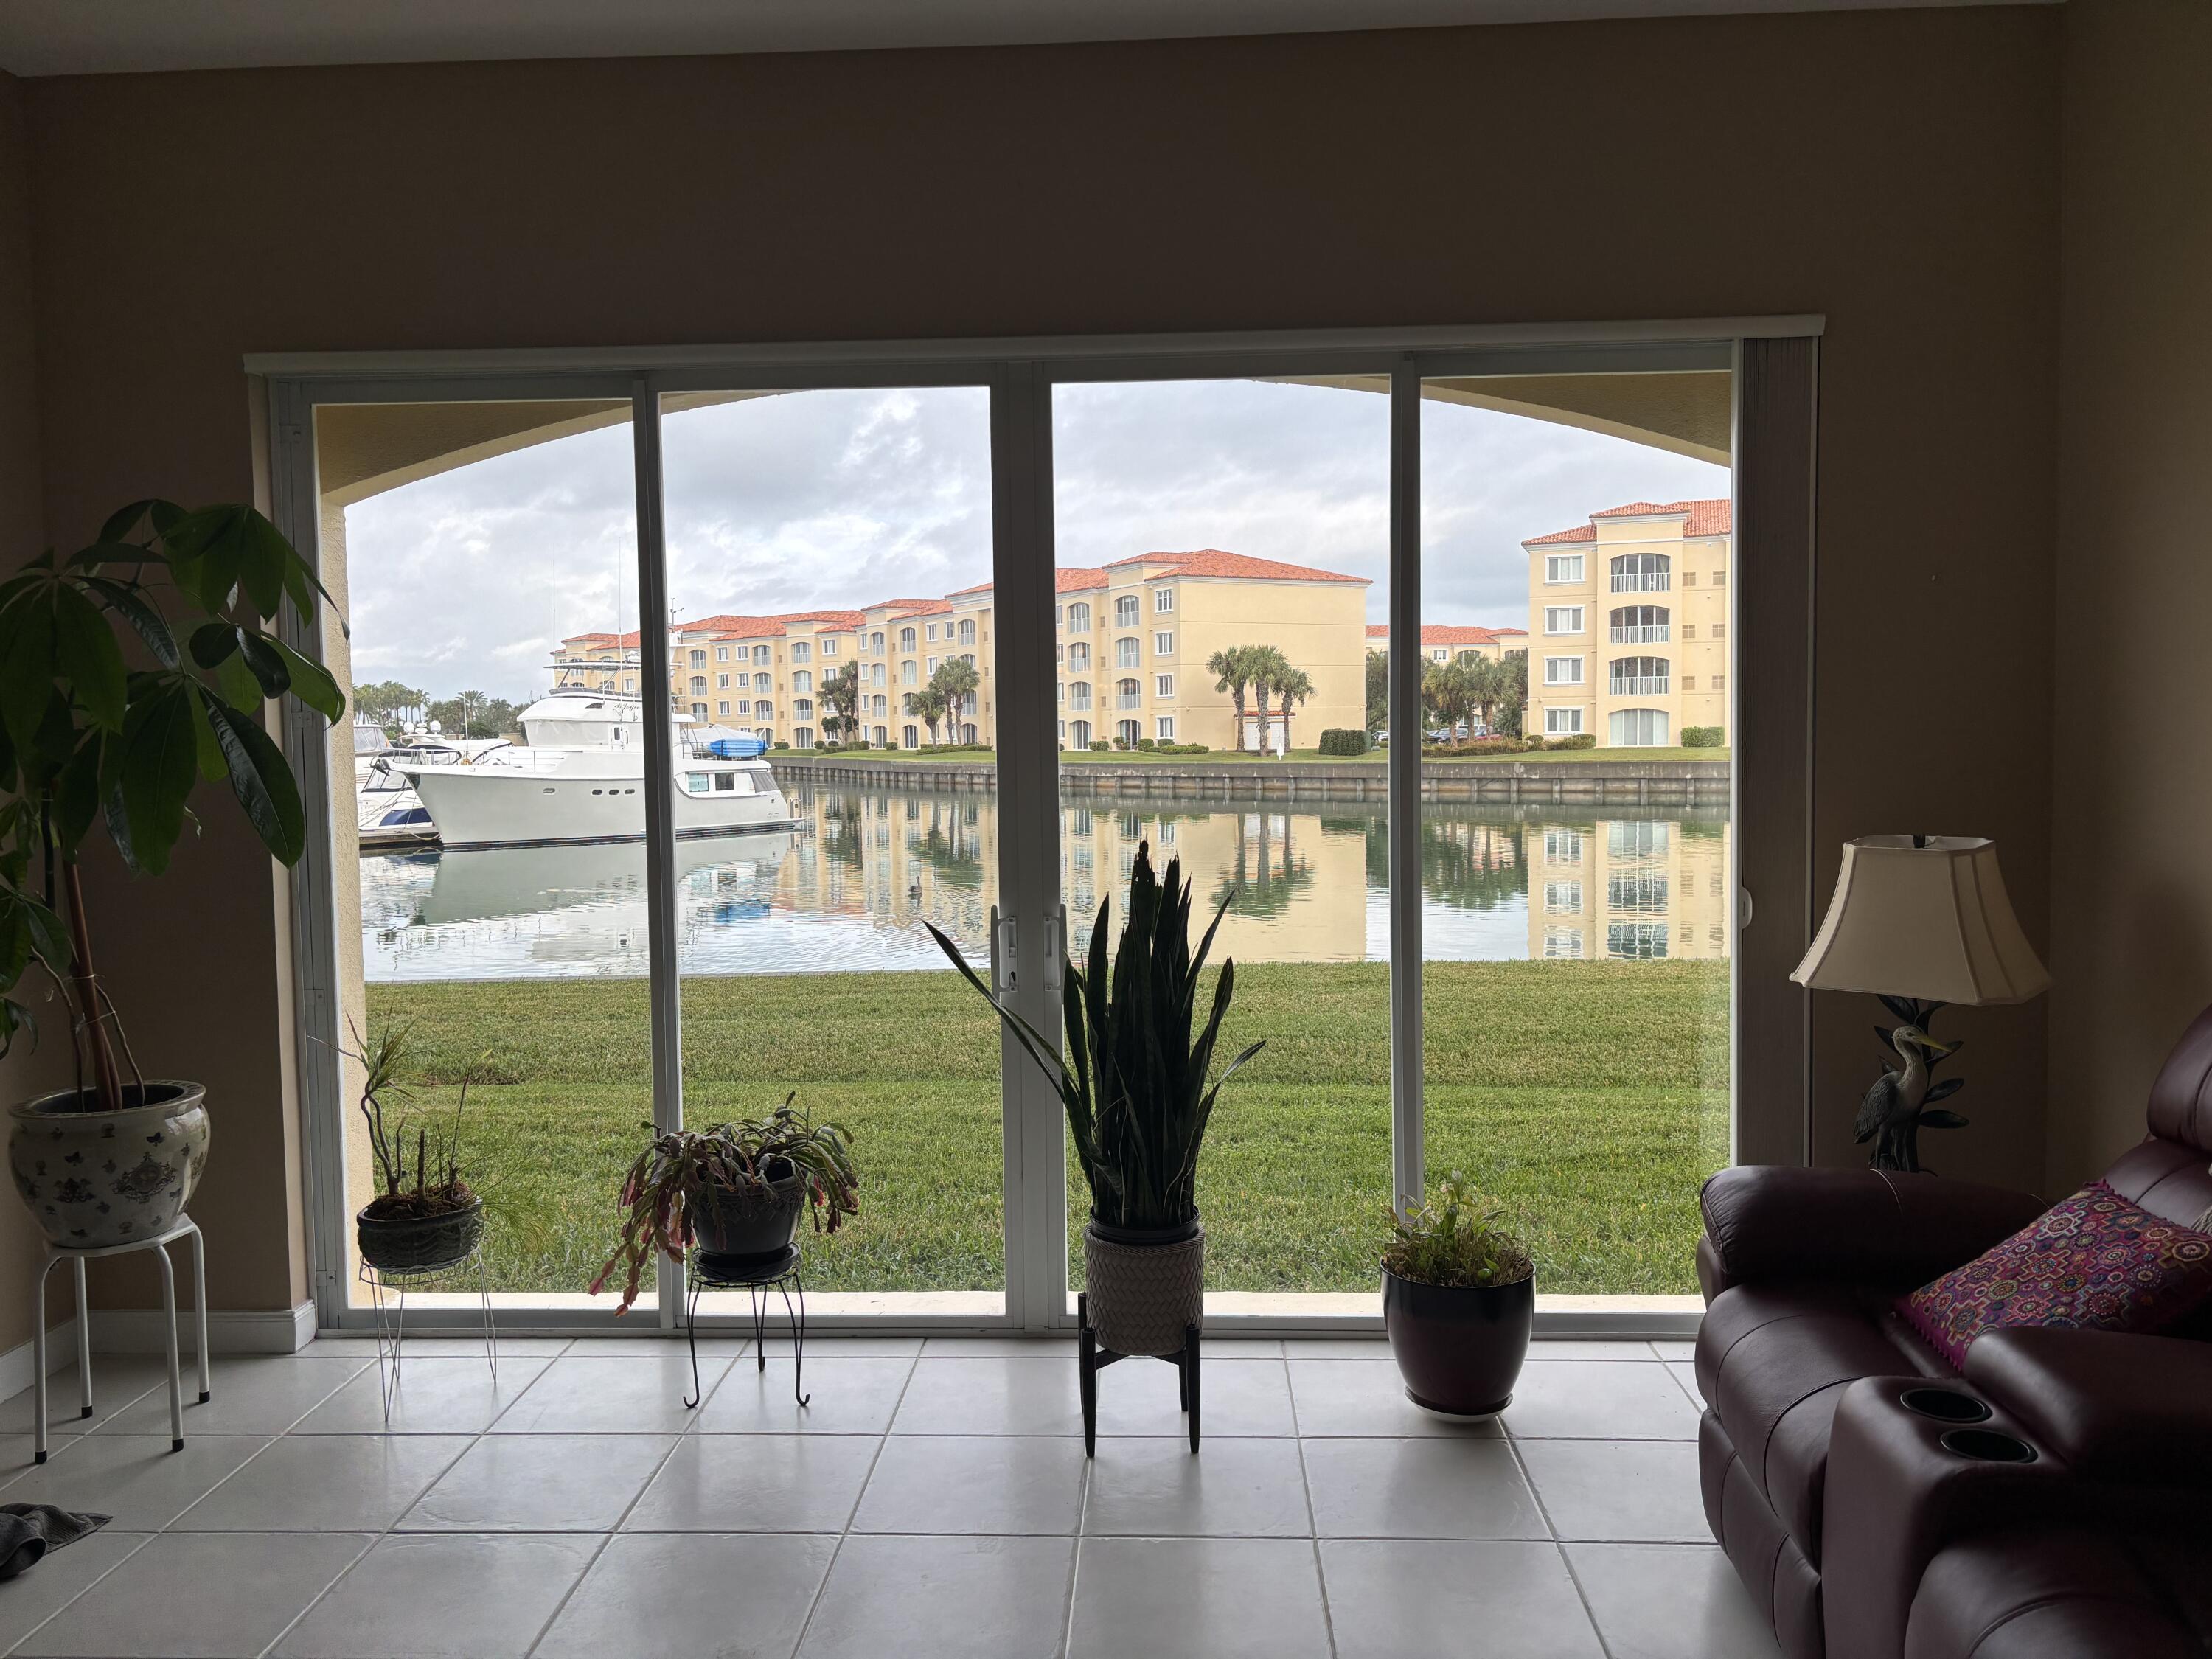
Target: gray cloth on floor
27, 1531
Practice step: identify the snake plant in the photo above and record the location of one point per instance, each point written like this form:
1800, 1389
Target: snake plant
1134, 1082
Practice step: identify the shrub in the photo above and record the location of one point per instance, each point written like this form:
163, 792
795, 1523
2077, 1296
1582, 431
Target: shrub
1701, 737
1100, 746
1337, 741
1580, 740
783, 745
1147, 743
1455, 1239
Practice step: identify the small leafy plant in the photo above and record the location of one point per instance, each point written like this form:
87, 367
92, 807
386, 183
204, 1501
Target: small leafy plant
1455, 1239
427, 1183
1135, 1084
670, 1178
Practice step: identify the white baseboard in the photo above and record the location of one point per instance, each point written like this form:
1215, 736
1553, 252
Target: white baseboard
142, 1330
17, 1369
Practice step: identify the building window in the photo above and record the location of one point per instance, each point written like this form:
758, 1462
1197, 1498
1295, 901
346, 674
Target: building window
1560, 619
1163, 598
1563, 847
763, 711
1563, 942
802, 708
829, 648
722, 707
1563, 722
1078, 733
1636, 940
1563, 670
1720, 579
1163, 728
1129, 652
629, 682
930, 633
1440, 656
1720, 682
744, 706
876, 674
1639, 728
1079, 694
802, 681
1128, 731
1078, 658
721, 682
907, 674
1643, 624
1720, 630
1563, 567
1129, 694
803, 738
698, 681
906, 639
760, 656
1689, 579
1641, 572
699, 711
1636, 892
1689, 682
1125, 612
1163, 685
1163, 644
1563, 898
1063, 730
1689, 632
1079, 619
1638, 677
698, 660
721, 654
801, 650
967, 630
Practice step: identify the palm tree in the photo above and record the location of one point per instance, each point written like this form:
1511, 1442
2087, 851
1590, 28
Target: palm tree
955, 678
1293, 687
1231, 668
929, 703
1270, 668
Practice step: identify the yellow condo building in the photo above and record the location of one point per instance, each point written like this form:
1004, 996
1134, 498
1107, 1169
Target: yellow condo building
1628, 625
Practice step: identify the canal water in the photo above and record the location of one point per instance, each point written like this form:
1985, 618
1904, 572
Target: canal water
849, 888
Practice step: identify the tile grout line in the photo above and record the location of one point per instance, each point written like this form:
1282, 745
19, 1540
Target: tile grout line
1313, 1521
1558, 1547
854, 1514
1082, 1521
607, 1538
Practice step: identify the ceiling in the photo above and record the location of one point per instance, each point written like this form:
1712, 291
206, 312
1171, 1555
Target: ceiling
85, 37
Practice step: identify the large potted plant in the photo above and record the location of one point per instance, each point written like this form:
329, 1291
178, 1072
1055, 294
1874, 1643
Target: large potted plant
1138, 1093
736, 1190
1459, 1299
424, 1218
130, 671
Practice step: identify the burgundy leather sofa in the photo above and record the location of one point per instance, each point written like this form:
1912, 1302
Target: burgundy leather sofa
2055, 1500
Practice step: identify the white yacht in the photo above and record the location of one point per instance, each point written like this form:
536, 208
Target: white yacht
579, 775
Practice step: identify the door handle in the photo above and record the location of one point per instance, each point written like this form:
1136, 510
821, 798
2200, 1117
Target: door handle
1743, 909
1003, 962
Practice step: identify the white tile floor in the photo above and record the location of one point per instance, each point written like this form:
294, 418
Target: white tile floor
933, 1500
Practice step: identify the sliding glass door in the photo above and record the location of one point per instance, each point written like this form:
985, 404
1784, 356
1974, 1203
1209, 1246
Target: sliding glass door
691, 702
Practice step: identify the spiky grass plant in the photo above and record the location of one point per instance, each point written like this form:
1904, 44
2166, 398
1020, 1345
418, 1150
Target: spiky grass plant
1134, 1083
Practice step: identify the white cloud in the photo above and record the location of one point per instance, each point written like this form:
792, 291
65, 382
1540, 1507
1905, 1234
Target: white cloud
825, 500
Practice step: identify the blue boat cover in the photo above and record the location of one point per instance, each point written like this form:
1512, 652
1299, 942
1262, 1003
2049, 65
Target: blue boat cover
737, 749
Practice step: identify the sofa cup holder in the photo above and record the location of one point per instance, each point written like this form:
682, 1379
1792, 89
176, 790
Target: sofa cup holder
1987, 1446
1945, 1405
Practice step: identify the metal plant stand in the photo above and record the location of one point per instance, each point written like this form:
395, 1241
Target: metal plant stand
781, 1273
159, 1243
388, 1292
1091, 1359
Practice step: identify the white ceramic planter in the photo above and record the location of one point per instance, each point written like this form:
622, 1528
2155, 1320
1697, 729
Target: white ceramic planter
92, 1179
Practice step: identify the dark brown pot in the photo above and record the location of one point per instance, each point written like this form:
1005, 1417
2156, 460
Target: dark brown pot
420, 1244
749, 1226
1459, 1347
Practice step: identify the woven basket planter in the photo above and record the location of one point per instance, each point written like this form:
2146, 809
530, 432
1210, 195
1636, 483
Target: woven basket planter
1142, 1296
419, 1244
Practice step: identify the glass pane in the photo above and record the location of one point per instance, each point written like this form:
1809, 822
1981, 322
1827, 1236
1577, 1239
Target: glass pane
1219, 541
1575, 853
487, 803
831, 622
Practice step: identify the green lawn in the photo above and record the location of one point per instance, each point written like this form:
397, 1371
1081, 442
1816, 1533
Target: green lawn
1143, 757
1588, 1097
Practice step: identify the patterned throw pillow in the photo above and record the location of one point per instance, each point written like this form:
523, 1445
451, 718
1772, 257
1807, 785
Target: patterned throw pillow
2096, 1261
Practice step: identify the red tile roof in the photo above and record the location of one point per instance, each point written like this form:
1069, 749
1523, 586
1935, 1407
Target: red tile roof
1067, 579
629, 638
1448, 634
1214, 562
1705, 518
918, 607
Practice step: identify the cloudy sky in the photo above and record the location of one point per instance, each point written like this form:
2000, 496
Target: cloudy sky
827, 500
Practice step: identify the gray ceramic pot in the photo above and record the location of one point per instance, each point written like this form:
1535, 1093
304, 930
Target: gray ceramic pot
95, 1178
1144, 1288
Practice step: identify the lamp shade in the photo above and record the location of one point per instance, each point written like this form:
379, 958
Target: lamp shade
1928, 920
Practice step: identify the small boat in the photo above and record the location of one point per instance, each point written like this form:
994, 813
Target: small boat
579, 776
387, 811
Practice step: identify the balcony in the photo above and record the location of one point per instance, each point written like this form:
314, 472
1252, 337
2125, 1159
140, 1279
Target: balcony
1639, 685
1641, 581
1643, 634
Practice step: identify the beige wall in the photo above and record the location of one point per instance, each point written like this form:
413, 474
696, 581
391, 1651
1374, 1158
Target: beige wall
2133, 929
1895, 170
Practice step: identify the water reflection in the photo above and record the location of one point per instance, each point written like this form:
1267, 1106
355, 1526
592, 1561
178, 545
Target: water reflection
851, 886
